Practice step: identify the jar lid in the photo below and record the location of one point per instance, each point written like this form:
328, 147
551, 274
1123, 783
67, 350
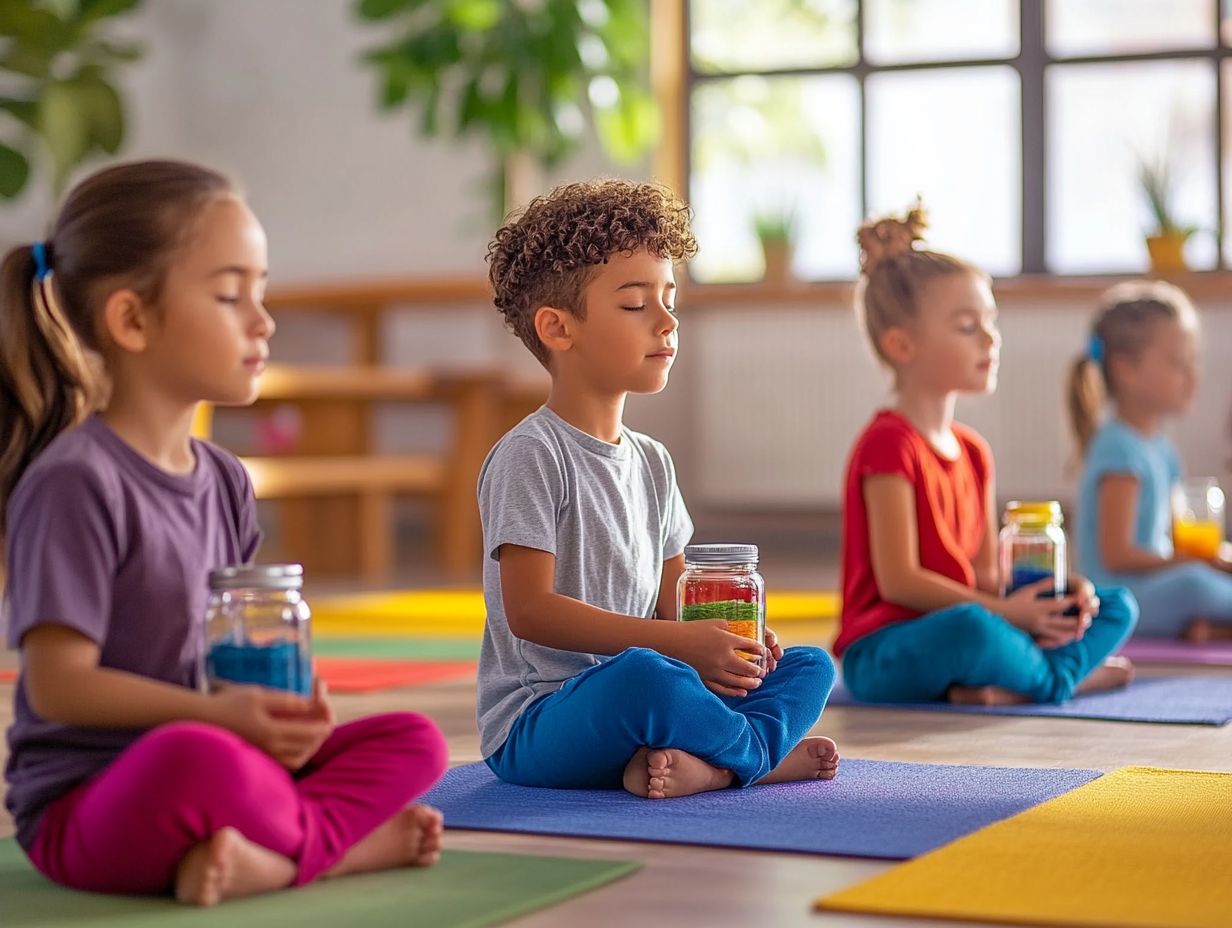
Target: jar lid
258, 576
1034, 511
720, 554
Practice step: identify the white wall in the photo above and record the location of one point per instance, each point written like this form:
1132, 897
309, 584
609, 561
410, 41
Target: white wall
273, 92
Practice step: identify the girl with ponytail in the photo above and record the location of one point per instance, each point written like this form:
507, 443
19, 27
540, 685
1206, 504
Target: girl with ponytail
1141, 360
144, 300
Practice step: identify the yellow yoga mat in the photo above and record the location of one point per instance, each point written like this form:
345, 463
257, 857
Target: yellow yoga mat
1142, 847
457, 613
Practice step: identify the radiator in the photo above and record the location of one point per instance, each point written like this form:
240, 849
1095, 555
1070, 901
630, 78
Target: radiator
780, 395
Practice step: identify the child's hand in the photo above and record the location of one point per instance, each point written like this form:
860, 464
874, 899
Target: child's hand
1043, 619
774, 650
710, 649
287, 727
1088, 602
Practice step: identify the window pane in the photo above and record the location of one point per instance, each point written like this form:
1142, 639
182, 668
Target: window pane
1094, 27
735, 35
767, 145
939, 30
1104, 122
1226, 26
952, 136
1227, 155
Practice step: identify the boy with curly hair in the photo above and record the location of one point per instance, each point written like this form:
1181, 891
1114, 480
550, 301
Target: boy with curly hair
585, 529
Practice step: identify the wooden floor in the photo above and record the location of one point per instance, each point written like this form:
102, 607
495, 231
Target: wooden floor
692, 886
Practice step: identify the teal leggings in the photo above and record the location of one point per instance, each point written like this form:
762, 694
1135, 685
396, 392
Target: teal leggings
920, 659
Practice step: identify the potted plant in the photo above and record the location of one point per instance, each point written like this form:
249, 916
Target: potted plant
1165, 243
776, 232
527, 77
59, 101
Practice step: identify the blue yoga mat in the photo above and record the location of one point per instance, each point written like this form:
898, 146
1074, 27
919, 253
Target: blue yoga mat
1175, 700
871, 809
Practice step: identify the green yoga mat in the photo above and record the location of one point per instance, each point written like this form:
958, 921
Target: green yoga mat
465, 890
398, 649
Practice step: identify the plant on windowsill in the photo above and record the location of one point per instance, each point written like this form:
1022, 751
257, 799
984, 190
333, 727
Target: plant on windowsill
776, 233
58, 70
1165, 243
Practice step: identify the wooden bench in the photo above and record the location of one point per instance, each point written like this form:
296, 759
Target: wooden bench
335, 493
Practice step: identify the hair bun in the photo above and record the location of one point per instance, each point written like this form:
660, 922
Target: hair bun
891, 236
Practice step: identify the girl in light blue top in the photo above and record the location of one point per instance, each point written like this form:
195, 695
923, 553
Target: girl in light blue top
1142, 355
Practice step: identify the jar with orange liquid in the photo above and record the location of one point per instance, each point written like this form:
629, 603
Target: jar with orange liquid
722, 582
1197, 518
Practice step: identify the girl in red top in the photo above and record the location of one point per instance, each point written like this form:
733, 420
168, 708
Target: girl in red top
922, 616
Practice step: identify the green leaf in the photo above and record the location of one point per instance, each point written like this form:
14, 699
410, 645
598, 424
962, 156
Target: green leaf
104, 114
382, 9
31, 62
103, 52
24, 111
474, 15
94, 10
431, 112
14, 172
20, 19
630, 127
65, 128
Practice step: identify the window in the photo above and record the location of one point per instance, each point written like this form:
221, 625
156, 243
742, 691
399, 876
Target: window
1024, 125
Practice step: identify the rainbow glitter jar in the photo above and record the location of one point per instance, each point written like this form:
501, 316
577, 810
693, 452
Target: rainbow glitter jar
722, 582
1033, 546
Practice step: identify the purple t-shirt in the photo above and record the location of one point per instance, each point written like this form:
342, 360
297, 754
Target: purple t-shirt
102, 541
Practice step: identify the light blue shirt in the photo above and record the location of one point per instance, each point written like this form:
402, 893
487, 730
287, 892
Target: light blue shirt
1118, 449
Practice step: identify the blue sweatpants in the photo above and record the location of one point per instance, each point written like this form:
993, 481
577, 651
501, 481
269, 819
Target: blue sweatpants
582, 735
1171, 598
920, 659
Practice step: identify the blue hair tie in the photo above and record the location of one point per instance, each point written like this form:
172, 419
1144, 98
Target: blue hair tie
1095, 349
41, 267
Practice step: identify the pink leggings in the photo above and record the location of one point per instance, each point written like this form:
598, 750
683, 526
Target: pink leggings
125, 830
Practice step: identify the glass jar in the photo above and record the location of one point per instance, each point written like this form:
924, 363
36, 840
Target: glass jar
1197, 518
1032, 546
722, 582
256, 628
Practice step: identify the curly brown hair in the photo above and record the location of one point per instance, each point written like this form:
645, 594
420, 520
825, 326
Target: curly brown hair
545, 254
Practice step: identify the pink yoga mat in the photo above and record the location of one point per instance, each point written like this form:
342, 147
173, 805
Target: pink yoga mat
1171, 651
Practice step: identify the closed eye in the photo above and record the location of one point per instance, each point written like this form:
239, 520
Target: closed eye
633, 309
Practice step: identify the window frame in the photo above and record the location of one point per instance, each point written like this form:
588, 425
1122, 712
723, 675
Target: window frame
1031, 64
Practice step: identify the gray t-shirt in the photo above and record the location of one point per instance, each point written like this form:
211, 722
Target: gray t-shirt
610, 513
104, 542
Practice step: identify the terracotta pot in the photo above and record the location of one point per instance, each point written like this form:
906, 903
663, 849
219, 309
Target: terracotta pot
1167, 252
777, 257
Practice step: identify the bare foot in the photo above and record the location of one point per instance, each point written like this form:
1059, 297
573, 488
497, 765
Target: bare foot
227, 866
1202, 631
661, 773
813, 758
1114, 672
411, 838
984, 696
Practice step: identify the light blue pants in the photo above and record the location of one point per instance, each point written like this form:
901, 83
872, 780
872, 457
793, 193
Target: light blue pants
1171, 598
920, 659
582, 735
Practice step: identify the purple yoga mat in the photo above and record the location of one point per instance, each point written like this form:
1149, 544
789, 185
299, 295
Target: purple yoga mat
1171, 651
871, 809
1173, 700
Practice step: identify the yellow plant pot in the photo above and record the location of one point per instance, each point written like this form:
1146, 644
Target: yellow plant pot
1167, 252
